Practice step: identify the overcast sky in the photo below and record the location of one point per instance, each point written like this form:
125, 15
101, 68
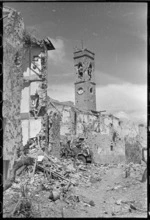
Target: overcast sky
115, 32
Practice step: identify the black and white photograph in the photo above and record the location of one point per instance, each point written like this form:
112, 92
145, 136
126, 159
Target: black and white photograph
75, 109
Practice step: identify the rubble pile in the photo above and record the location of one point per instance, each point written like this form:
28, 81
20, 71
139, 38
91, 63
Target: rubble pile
46, 186
56, 177
49, 186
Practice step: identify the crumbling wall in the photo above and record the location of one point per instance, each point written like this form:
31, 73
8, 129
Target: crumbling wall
142, 130
130, 140
13, 45
54, 134
87, 123
67, 126
61, 124
34, 93
100, 144
134, 142
100, 139
133, 150
67, 122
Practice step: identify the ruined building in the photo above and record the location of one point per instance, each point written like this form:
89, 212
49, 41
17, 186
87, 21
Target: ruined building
13, 48
25, 86
82, 119
34, 94
28, 112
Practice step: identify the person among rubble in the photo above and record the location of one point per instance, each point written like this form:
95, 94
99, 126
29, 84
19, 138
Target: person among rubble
85, 148
113, 136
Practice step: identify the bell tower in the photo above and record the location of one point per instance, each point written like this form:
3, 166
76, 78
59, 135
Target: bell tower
85, 86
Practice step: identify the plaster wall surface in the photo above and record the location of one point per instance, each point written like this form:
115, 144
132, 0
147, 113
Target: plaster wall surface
25, 131
30, 129
115, 122
86, 122
35, 127
66, 126
34, 86
29, 60
36, 59
66, 122
25, 100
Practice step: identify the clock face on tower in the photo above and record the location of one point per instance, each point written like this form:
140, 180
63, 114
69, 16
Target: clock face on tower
80, 91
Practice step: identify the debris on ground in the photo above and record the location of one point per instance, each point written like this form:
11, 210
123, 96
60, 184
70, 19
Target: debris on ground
43, 185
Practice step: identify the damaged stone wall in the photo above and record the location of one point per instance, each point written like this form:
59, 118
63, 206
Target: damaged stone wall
130, 140
100, 141
54, 134
133, 150
99, 131
67, 121
86, 123
34, 94
100, 144
23, 55
67, 112
13, 48
61, 123
135, 141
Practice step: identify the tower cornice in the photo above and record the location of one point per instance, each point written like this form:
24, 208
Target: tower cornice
83, 55
79, 51
85, 82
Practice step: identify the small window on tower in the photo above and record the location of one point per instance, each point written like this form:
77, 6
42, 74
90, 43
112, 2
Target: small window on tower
111, 147
35, 62
91, 90
35, 58
80, 70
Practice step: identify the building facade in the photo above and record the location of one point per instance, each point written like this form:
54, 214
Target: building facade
24, 86
34, 93
13, 56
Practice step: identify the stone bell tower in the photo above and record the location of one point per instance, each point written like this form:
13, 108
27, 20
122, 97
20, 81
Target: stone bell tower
85, 86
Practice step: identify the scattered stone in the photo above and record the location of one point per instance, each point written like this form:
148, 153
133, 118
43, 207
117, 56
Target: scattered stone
92, 203
94, 179
118, 202
117, 187
132, 207
113, 214
130, 210
71, 168
56, 195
